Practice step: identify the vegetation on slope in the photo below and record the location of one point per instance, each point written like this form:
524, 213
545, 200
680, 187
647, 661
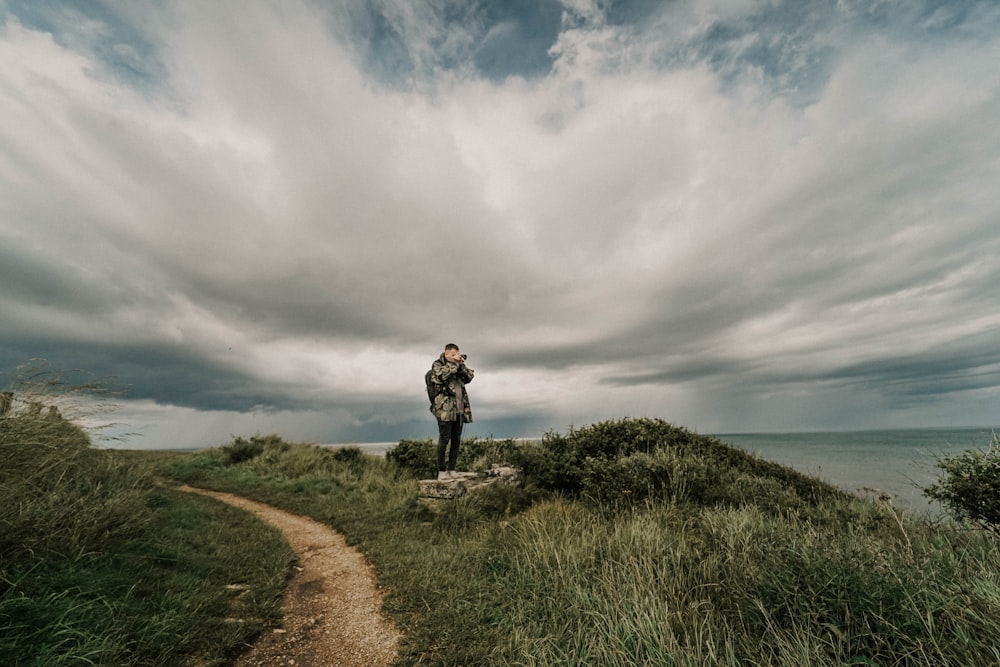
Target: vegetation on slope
99, 565
970, 486
634, 542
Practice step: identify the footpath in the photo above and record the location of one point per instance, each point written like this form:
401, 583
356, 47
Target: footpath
332, 605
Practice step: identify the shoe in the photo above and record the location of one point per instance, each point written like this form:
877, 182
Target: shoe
443, 475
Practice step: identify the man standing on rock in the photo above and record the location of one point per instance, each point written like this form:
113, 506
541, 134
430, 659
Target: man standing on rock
449, 374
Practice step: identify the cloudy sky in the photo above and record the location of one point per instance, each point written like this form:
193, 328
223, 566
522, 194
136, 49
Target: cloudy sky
737, 215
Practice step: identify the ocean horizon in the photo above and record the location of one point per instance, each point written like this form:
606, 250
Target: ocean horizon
898, 462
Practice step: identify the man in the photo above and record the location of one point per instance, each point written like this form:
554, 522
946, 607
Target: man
449, 375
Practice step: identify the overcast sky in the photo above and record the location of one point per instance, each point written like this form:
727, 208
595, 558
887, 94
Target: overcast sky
736, 215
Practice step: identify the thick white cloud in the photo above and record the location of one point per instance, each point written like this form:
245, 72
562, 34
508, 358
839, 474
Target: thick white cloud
238, 213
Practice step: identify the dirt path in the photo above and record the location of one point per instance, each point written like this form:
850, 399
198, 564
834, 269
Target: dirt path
331, 606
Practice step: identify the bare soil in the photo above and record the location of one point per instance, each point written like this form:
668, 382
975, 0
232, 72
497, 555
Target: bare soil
332, 605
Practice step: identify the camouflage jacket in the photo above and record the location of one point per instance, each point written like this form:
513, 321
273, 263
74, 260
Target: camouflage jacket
448, 377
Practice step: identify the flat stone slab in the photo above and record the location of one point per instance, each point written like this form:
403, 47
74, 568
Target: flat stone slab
463, 482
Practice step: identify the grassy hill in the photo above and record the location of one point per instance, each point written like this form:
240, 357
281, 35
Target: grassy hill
632, 542
101, 565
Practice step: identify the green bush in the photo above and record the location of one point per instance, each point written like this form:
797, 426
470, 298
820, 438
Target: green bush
241, 449
475, 454
569, 463
623, 437
479, 454
350, 455
970, 488
551, 464
416, 456
627, 480
632, 461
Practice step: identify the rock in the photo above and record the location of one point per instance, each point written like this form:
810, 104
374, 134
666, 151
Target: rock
433, 491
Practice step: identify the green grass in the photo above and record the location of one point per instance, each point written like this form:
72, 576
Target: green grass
102, 566
631, 543
185, 590
741, 563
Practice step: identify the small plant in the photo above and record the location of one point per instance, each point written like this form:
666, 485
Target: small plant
241, 449
416, 456
476, 454
352, 456
970, 488
480, 454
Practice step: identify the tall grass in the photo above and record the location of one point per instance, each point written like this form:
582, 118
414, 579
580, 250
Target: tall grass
99, 565
59, 497
713, 558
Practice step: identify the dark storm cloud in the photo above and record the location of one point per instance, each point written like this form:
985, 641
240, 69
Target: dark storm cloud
709, 211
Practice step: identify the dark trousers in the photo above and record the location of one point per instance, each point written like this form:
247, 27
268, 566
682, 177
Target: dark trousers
449, 432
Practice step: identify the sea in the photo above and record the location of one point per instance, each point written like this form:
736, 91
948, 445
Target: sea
900, 463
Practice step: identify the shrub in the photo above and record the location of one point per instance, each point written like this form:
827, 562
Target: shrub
352, 456
629, 461
476, 454
550, 464
623, 437
241, 449
481, 454
416, 456
970, 488
567, 463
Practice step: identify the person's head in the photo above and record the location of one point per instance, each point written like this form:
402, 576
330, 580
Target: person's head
451, 352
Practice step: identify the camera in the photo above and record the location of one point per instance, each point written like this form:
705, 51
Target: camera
464, 356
